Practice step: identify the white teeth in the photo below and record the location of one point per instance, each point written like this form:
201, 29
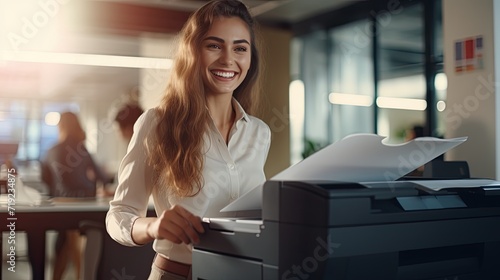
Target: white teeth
223, 74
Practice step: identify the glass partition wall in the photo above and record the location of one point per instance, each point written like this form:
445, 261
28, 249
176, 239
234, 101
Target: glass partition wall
351, 91
401, 100
373, 67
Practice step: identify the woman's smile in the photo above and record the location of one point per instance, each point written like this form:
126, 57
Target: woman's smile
224, 75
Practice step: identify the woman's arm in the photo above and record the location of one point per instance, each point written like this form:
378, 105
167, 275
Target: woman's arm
177, 225
135, 185
126, 221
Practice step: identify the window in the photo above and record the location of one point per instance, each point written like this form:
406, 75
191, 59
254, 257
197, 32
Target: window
372, 67
22, 121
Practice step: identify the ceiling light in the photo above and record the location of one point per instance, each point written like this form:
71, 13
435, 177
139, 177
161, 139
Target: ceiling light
401, 103
440, 81
350, 99
52, 118
87, 59
441, 106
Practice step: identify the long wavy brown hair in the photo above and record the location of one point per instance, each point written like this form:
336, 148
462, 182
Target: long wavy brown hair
176, 150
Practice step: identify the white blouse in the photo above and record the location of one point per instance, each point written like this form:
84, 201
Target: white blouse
229, 171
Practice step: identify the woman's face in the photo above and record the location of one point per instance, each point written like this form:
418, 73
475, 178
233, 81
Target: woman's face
225, 55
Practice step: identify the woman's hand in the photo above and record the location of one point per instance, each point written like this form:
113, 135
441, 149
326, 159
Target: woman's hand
177, 225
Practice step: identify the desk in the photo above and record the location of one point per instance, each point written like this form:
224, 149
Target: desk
36, 220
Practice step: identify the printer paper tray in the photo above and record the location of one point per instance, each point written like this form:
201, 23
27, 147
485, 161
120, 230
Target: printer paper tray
234, 225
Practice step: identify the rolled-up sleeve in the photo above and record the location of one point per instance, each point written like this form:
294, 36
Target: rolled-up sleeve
134, 184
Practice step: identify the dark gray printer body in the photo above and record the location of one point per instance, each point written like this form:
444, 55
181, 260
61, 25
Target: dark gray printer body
335, 230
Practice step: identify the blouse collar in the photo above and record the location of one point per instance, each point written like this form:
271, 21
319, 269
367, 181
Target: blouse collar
240, 112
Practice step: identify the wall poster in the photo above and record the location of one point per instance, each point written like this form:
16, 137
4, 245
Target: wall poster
469, 54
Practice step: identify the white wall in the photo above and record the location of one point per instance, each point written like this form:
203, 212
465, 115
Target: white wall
153, 81
104, 140
274, 107
471, 102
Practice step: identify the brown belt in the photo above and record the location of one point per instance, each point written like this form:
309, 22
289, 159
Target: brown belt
174, 267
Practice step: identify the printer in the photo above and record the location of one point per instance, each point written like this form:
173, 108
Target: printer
349, 215
380, 230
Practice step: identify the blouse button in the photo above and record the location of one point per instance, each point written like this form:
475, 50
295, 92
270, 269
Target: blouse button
231, 166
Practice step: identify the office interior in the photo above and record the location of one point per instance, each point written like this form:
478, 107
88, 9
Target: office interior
332, 68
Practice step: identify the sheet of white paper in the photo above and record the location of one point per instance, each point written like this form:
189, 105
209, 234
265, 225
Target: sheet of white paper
252, 200
356, 158
25, 195
366, 157
437, 185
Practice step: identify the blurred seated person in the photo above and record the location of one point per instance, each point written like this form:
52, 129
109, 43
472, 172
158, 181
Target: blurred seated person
70, 172
126, 118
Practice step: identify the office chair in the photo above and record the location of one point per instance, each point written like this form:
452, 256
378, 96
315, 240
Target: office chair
104, 258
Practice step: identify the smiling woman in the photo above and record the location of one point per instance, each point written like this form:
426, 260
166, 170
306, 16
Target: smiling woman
200, 149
